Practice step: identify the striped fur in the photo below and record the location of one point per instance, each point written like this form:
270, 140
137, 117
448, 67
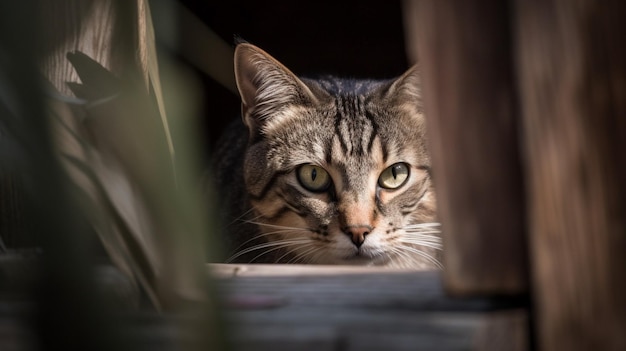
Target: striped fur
353, 130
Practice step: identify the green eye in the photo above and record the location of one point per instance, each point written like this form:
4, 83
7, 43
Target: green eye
313, 178
394, 176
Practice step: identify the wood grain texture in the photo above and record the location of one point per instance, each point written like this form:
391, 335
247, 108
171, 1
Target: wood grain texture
320, 308
573, 86
297, 307
504, 330
465, 58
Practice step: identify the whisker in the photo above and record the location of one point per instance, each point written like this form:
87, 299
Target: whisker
258, 236
415, 236
282, 242
305, 254
422, 254
279, 243
423, 225
427, 237
405, 261
290, 251
261, 224
436, 246
285, 245
430, 232
314, 257
240, 218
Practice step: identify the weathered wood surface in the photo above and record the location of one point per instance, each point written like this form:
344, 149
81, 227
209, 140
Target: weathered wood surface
321, 308
470, 104
292, 307
572, 69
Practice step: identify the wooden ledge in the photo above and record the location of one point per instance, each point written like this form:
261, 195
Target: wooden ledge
299, 307
222, 270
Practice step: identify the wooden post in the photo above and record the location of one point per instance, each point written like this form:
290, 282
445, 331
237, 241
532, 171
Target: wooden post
572, 69
465, 58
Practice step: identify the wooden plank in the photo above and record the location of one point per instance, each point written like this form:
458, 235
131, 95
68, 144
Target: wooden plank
572, 65
223, 270
504, 330
322, 309
282, 307
464, 54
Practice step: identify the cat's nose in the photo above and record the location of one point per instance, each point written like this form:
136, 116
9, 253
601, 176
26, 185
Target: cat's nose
357, 233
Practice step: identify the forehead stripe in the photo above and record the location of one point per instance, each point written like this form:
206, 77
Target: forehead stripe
338, 117
370, 118
384, 150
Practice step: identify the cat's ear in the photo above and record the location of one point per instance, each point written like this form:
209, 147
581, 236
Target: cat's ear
407, 88
266, 86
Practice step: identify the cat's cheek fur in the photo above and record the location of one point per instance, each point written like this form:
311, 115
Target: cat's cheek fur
256, 174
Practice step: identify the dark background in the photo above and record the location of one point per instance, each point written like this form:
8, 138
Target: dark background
358, 39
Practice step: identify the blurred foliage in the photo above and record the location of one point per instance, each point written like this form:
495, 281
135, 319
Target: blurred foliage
102, 166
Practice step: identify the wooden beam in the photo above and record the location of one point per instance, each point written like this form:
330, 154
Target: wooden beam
311, 307
464, 54
572, 69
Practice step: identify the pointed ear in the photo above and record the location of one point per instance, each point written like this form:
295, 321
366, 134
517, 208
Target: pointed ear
266, 86
407, 88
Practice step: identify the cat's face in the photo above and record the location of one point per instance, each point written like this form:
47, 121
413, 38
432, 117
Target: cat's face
337, 170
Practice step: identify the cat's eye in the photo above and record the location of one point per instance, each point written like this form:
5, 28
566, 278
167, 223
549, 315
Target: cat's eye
314, 178
394, 176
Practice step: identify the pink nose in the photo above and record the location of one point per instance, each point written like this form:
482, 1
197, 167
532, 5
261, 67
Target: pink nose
357, 233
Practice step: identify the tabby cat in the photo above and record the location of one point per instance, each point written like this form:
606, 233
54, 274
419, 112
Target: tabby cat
327, 171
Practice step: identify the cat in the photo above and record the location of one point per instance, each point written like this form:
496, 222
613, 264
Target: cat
327, 171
